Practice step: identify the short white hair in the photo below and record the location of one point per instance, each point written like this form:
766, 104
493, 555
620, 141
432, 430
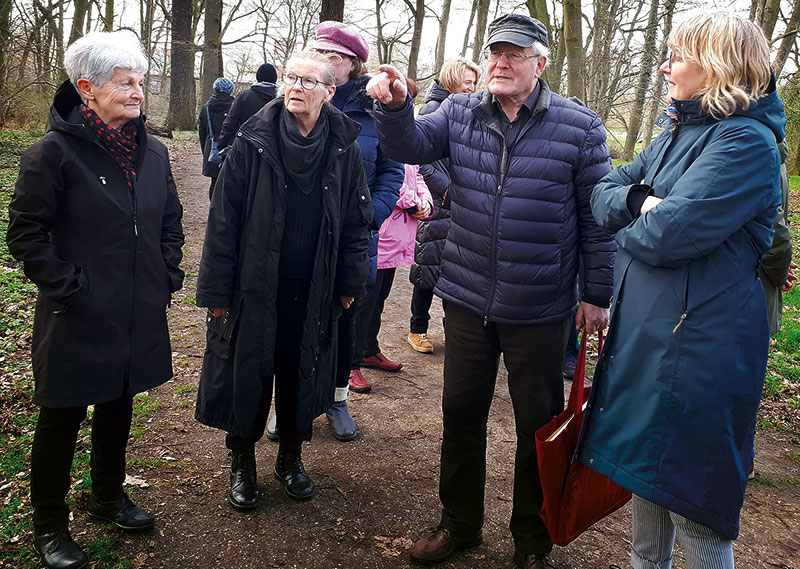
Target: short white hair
96, 55
540, 49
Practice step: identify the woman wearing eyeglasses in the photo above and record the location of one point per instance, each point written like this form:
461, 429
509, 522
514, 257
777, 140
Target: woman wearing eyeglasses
677, 388
285, 253
348, 52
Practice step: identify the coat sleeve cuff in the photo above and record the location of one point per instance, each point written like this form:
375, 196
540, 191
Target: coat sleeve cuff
636, 196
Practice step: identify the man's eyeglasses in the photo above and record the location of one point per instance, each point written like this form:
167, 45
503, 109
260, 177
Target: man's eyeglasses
334, 57
289, 79
513, 57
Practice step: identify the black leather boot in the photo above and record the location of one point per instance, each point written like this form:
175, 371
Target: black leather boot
290, 472
58, 550
244, 493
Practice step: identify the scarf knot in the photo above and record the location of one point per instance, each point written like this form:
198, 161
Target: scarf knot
121, 144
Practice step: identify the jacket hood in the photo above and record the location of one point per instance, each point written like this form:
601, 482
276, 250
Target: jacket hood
64, 101
266, 91
767, 110
436, 92
262, 126
219, 102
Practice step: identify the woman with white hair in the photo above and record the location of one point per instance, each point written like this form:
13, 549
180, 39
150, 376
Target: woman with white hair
96, 221
673, 409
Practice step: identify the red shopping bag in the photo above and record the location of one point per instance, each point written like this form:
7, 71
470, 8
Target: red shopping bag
575, 496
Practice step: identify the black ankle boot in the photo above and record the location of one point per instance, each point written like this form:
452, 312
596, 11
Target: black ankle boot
58, 550
290, 472
244, 493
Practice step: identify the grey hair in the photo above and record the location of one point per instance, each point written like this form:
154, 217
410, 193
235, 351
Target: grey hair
96, 55
328, 71
541, 50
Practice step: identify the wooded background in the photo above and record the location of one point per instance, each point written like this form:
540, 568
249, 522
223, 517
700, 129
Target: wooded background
607, 52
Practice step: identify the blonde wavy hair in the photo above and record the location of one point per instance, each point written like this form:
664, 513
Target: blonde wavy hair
452, 74
734, 54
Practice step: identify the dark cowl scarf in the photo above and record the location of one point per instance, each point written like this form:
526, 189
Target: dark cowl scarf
121, 144
302, 155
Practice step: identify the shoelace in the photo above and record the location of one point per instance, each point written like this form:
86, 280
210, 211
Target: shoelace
423, 337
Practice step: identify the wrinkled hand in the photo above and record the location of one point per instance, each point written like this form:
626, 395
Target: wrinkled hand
218, 312
789, 284
346, 301
649, 203
423, 212
389, 87
591, 318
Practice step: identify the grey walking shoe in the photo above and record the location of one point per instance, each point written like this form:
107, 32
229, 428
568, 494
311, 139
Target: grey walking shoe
272, 428
342, 424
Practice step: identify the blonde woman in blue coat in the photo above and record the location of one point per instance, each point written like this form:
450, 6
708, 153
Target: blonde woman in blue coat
674, 404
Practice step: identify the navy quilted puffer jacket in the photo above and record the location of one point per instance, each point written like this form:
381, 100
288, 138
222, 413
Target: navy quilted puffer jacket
521, 220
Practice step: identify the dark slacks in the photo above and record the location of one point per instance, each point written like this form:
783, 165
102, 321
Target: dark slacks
368, 317
291, 305
347, 343
421, 300
54, 448
533, 356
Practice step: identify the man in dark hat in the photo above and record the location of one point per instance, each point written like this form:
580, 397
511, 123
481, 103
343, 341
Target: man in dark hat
249, 102
523, 163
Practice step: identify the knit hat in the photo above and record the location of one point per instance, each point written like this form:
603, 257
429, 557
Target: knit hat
224, 86
267, 73
341, 38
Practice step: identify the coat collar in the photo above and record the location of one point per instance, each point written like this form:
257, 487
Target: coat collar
485, 111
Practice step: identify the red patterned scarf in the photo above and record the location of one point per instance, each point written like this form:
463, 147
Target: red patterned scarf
121, 144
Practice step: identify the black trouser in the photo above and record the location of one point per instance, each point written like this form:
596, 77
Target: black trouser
291, 306
54, 448
533, 356
346, 343
421, 300
211, 188
368, 319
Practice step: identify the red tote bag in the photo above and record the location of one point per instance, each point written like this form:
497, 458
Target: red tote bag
575, 496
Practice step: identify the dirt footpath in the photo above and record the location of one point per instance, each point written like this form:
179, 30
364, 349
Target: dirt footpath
377, 492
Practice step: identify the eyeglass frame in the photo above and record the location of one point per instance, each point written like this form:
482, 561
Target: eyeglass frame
302, 78
511, 56
672, 58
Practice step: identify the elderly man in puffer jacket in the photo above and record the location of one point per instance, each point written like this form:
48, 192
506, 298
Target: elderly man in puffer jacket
523, 164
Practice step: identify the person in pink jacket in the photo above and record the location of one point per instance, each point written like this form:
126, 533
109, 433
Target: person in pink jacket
395, 249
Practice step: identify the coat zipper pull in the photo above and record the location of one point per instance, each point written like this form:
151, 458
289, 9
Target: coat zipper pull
683, 317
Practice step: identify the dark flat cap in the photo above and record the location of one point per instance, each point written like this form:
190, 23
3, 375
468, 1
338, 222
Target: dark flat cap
517, 29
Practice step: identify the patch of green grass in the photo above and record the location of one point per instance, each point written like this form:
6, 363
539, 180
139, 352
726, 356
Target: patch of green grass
190, 299
185, 404
147, 462
793, 455
183, 389
768, 425
763, 481
144, 406
102, 551
794, 183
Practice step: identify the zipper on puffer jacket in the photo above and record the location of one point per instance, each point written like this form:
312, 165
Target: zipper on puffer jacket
498, 193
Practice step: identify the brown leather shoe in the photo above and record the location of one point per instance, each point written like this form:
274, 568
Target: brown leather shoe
532, 560
437, 544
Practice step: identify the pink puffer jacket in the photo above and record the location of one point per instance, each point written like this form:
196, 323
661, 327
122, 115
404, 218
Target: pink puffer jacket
399, 232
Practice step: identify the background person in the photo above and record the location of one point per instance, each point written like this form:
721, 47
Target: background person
349, 52
693, 215
458, 76
522, 174
215, 111
96, 221
248, 103
285, 252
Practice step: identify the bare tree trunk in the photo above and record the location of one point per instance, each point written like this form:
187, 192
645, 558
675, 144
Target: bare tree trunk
755, 9
78, 17
182, 100
552, 73
108, 19
212, 48
574, 46
643, 84
332, 10
469, 28
418, 10
440, 41
769, 17
658, 81
480, 29
787, 42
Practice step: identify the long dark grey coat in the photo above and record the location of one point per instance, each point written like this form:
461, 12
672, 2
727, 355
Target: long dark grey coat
239, 270
105, 260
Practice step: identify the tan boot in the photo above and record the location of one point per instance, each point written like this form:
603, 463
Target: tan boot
420, 343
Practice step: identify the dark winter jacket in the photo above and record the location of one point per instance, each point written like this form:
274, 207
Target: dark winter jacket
246, 104
432, 233
673, 407
218, 106
520, 215
239, 270
384, 175
104, 258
